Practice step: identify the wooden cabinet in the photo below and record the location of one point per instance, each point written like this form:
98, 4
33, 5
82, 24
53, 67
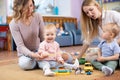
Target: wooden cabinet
7, 38
59, 19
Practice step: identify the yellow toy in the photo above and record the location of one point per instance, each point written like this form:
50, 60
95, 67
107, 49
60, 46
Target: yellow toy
88, 67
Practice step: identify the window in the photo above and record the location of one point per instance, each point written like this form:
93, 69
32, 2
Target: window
42, 6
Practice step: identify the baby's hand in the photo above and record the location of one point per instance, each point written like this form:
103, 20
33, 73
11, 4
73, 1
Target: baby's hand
51, 55
43, 54
101, 59
61, 61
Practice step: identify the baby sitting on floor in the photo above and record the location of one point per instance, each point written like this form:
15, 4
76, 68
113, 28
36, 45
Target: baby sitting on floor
50, 53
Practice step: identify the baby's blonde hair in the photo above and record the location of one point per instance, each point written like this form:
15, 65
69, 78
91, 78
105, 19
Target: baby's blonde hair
113, 28
50, 26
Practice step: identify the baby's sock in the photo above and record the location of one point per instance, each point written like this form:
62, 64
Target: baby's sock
48, 72
76, 64
107, 70
72, 66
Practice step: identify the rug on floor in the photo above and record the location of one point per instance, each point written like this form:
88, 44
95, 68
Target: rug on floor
13, 72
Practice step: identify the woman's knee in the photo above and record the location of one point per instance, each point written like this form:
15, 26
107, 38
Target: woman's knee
90, 57
26, 63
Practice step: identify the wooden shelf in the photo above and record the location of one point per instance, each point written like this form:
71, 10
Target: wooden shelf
56, 19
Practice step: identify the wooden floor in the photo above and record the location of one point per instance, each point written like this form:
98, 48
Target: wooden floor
8, 57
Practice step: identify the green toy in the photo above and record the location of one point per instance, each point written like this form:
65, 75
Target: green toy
82, 61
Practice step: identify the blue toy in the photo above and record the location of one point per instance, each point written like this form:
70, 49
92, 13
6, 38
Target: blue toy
88, 72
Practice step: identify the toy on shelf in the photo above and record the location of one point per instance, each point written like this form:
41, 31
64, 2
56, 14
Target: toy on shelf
75, 53
82, 61
88, 67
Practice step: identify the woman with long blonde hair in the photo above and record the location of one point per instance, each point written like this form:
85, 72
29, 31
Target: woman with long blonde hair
92, 19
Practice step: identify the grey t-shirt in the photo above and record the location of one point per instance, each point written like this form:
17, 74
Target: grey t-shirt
27, 38
109, 49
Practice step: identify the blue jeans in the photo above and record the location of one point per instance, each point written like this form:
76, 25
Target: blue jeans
27, 63
48, 64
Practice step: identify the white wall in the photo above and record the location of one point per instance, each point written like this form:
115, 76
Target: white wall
69, 8
3, 10
64, 7
76, 8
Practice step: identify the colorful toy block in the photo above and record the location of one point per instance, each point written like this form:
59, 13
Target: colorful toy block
62, 72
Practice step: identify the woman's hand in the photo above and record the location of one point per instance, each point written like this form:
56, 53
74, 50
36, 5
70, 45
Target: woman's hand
36, 56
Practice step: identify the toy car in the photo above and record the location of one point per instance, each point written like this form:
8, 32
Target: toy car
88, 67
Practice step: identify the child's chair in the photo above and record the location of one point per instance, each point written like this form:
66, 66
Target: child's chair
76, 32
